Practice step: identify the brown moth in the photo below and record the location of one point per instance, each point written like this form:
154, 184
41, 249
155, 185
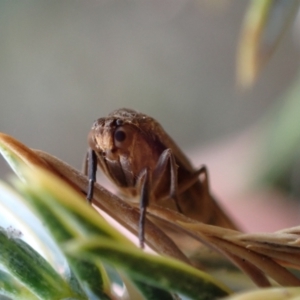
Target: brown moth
146, 165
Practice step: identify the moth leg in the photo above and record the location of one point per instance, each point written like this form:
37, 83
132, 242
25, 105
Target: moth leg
186, 183
144, 183
205, 181
160, 169
91, 170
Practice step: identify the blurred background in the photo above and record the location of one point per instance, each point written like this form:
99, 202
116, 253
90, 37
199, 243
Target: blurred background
66, 63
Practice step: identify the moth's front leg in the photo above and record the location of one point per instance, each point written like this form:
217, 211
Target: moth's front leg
147, 181
90, 168
167, 159
190, 180
144, 186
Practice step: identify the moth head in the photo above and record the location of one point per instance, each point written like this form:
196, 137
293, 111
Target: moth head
125, 144
112, 138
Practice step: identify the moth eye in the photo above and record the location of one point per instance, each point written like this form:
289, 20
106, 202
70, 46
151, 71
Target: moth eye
123, 137
120, 136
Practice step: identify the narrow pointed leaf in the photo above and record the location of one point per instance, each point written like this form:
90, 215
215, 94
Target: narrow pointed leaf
31, 269
12, 288
152, 293
65, 225
158, 271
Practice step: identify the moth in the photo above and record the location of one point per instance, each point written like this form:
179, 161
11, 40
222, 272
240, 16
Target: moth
146, 165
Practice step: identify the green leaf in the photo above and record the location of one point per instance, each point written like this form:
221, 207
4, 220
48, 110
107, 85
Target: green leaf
91, 277
25, 264
64, 226
161, 272
152, 293
12, 288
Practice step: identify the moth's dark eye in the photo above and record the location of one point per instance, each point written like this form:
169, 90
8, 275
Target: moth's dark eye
120, 136
123, 137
